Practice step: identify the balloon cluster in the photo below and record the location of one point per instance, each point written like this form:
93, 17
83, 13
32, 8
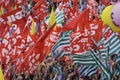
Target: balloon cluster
111, 15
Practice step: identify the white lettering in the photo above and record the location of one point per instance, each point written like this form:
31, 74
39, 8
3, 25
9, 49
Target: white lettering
13, 18
53, 38
18, 15
4, 51
83, 40
9, 19
93, 28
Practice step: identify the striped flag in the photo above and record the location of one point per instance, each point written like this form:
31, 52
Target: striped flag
101, 65
87, 59
57, 69
117, 65
118, 59
60, 17
112, 41
88, 70
117, 70
58, 50
84, 59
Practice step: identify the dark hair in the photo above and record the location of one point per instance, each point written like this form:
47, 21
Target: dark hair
42, 68
50, 69
113, 57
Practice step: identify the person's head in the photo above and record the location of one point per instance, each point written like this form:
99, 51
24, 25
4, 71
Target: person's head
113, 57
19, 77
26, 73
43, 68
49, 59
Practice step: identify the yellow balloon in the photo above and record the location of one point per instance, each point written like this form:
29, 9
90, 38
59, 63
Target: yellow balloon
105, 16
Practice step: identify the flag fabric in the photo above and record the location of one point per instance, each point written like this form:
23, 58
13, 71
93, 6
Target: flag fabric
117, 64
80, 39
112, 41
13, 26
79, 18
117, 69
33, 28
1, 74
19, 1
34, 54
18, 12
19, 45
101, 65
86, 58
7, 5
91, 4
58, 50
15, 6
40, 9
102, 54
65, 6
96, 29
57, 1
118, 58
1, 10
106, 2
52, 19
57, 69
73, 9
50, 40
59, 17
83, 59
87, 70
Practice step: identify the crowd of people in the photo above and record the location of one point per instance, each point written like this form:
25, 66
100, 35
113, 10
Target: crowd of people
57, 69
51, 69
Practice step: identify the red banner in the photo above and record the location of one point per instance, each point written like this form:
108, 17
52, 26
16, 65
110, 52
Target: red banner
15, 17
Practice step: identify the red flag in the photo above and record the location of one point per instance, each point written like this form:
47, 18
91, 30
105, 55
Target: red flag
75, 5
14, 16
81, 39
40, 9
38, 50
51, 39
106, 2
1, 2
118, 35
67, 59
57, 1
43, 27
91, 4
96, 29
80, 43
71, 25
19, 1
41, 42
65, 1
7, 5
108, 34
